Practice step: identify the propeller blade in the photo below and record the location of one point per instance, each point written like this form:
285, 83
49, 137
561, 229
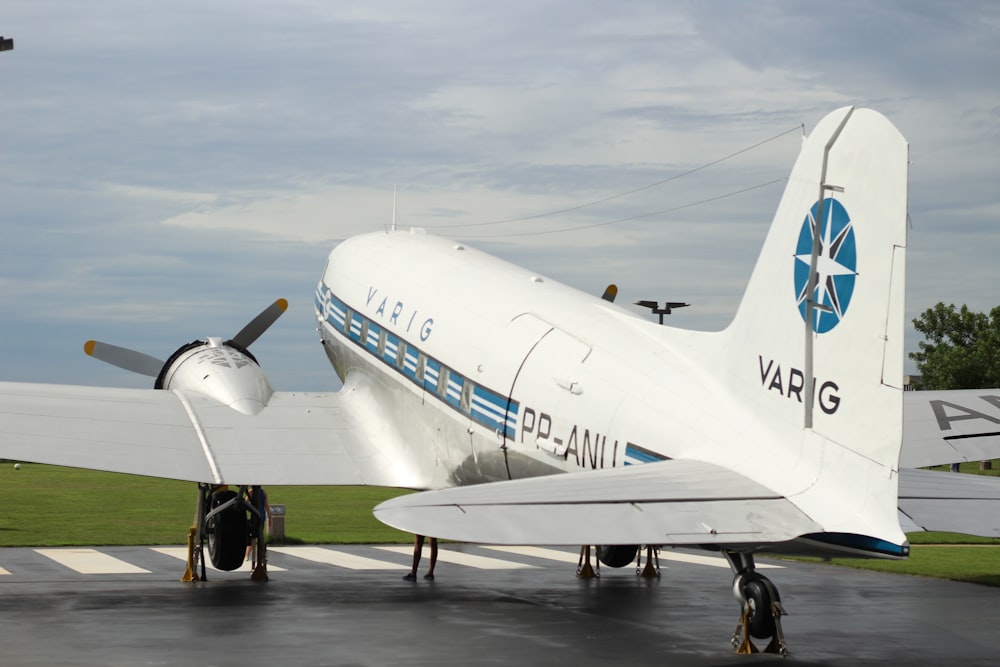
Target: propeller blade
122, 357
260, 324
610, 292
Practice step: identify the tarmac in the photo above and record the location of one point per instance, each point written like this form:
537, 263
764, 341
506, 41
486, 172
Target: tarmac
348, 605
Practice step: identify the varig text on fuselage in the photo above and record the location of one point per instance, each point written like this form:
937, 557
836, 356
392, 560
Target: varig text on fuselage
396, 314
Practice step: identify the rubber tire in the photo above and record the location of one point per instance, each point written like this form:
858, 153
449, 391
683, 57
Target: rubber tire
228, 534
761, 619
617, 555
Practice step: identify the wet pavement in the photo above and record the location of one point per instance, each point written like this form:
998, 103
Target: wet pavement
348, 605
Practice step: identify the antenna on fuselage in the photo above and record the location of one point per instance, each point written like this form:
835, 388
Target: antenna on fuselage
394, 208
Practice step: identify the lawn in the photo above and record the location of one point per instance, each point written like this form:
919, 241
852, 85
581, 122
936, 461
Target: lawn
978, 564
55, 506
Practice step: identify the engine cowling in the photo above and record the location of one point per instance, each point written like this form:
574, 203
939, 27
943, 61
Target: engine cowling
221, 370
617, 555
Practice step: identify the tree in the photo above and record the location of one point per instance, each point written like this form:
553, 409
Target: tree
961, 350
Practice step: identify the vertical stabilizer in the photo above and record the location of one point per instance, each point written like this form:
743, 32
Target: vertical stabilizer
817, 344
822, 317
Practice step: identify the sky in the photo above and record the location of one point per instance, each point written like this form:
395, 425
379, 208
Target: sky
167, 170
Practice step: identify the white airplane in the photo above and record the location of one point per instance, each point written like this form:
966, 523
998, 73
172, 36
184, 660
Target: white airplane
478, 381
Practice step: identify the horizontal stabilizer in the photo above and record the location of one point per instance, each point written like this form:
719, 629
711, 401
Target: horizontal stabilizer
668, 502
941, 427
952, 502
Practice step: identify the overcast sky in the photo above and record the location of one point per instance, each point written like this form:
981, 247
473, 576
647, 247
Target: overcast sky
167, 169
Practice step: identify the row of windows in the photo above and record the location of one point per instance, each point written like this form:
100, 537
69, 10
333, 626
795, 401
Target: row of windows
482, 405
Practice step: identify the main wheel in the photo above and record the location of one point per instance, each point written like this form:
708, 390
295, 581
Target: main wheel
617, 555
761, 594
228, 533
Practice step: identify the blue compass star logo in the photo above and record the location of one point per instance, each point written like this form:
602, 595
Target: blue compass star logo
836, 265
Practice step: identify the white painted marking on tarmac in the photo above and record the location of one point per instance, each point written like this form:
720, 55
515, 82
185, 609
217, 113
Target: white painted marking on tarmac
3, 571
711, 561
540, 552
459, 558
90, 561
181, 553
665, 554
337, 558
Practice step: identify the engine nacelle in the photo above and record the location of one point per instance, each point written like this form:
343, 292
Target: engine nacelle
617, 555
220, 370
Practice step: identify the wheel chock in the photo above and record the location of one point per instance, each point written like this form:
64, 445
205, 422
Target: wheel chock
259, 573
741, 637
777, 644
584, 569
189, 572
650, 571
259, 561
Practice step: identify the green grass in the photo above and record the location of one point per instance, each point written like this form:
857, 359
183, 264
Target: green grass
973, 468
944, 555
975, 564
950, 538
54, 506
44, 505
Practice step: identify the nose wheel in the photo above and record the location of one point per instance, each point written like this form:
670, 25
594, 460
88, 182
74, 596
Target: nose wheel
760, 608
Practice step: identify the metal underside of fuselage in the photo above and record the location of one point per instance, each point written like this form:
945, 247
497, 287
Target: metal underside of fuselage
463, 452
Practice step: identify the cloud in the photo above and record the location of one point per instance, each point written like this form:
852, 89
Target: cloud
170, 169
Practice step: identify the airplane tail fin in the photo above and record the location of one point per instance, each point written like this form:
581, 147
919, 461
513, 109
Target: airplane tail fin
825, 300
817, 342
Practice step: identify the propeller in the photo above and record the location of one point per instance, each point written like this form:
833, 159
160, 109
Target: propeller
259, 324
144, 364
122, 357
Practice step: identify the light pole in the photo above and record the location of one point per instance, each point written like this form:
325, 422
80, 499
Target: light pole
667, 308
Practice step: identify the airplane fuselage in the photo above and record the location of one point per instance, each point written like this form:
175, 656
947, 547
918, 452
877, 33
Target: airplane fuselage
454, 338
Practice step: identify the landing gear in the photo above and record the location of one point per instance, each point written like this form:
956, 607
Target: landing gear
618, 555
228, 530
760, 607
232, 523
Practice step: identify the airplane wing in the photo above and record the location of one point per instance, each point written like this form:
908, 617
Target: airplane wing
299, 438
953, 502
941, 427
667, 502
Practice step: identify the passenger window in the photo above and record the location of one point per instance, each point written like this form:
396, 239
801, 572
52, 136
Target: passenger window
442, 388
466, 405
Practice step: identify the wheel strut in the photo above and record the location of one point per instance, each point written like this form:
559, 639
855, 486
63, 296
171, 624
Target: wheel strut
249, 499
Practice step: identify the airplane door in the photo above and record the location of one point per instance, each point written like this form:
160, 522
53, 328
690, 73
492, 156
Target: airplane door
487, 394
549, 383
